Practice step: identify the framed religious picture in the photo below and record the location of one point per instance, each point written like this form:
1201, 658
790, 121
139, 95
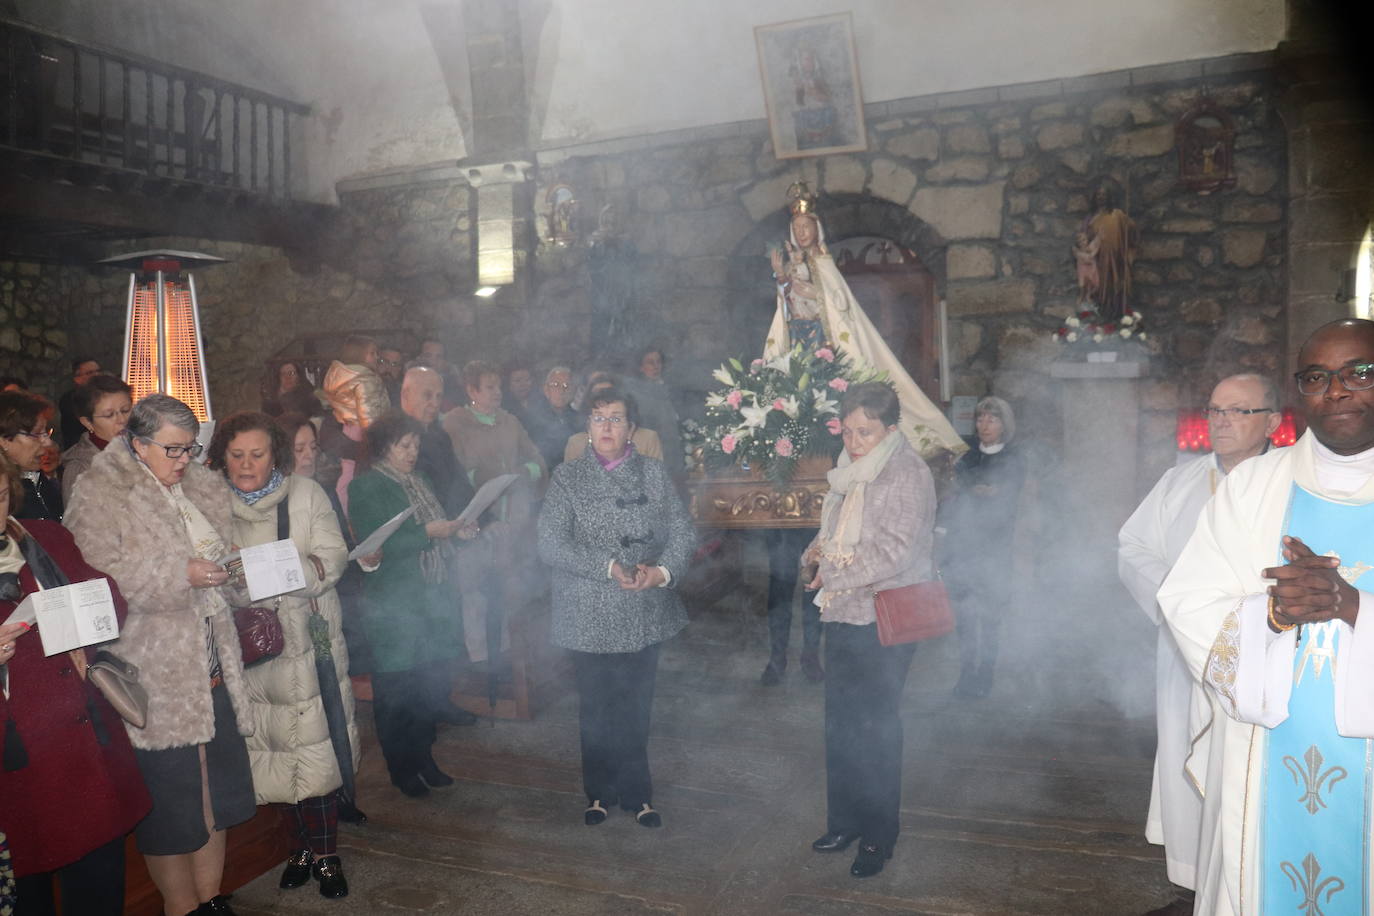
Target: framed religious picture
811, 86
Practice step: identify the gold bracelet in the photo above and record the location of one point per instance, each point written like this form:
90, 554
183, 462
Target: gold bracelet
1273, 621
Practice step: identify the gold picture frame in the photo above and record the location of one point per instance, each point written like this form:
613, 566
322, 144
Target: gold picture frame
811, 88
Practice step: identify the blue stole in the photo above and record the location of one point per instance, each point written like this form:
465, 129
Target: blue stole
1315, 855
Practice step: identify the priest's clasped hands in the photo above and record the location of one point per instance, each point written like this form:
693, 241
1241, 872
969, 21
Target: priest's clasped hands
1308, 589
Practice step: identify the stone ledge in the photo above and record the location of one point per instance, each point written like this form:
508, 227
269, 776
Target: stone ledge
1139, 368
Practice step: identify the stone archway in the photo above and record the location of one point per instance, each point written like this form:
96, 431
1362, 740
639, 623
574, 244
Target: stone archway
844, 216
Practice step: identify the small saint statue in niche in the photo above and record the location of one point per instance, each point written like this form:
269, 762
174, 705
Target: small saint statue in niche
1206, 138
1113, 234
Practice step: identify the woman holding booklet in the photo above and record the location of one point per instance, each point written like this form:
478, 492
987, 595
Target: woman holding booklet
408, 617
159, 523
69, 786
299, 761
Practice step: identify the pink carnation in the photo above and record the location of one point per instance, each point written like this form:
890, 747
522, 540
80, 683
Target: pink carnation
756, 365
734, 398
783, 447
777, 404
833, 424
839, 384
826, 354
727, 443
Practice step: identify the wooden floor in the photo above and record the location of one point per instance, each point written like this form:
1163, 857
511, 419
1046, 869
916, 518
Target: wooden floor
1029, 802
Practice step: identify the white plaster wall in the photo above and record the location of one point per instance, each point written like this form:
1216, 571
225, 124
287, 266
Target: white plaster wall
387, 78
634, 66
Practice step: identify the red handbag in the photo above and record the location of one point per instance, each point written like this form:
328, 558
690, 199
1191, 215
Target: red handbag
260, 633
913, 613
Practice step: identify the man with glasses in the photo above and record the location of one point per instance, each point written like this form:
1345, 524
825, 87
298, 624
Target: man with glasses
1267, 603
1242, 414
549, 417
83, 370
391, 367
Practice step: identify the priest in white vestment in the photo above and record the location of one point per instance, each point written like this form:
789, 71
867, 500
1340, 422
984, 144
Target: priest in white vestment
1242, 414
1267, 603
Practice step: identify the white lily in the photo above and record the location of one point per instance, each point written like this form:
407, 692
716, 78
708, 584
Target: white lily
783, 363
756, 415
715, 400
823, 403
790, 406
723, 376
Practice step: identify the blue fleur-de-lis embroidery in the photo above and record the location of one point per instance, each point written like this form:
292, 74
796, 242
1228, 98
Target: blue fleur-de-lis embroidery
1310, 777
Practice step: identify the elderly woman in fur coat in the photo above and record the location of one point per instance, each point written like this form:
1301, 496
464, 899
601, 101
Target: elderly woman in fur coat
158, 523
618, 539
295, 761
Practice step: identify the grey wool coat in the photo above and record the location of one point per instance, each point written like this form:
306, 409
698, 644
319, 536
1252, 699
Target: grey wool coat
129, 530
592, 516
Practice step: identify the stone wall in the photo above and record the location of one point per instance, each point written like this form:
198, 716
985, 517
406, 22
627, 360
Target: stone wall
988, 189
36, 302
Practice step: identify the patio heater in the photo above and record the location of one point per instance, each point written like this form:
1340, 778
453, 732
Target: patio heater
162, 350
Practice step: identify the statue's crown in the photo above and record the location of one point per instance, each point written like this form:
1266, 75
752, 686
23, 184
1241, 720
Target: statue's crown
800, 198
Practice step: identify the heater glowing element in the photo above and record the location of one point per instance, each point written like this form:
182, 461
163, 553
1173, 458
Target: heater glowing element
162, 351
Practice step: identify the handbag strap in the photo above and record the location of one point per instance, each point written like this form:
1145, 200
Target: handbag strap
283, 519
319, 573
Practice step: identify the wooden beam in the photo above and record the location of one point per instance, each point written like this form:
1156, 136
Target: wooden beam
170, 208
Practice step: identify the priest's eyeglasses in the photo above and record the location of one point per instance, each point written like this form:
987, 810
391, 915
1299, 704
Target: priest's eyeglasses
176, 451
1233, 413
1355, 377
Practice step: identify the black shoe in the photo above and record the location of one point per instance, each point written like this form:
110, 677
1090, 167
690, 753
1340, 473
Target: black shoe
411, 786
328, 871
349, 813
648, 817
772, 675
835, 841
869, 861
217, 905
297, 870
435, 777
454, 715
595, 813
811, 667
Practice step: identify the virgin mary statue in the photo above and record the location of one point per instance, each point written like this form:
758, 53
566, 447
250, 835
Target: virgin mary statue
815, 307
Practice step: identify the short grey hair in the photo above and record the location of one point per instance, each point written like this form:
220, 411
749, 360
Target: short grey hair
1269, 389
548, 376
154, 411
996, 407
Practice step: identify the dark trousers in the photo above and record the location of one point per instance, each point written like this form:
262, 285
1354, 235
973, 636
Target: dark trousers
978, 610
863, 732
93, 885
615, 693
785, 546
404, 706
313, 824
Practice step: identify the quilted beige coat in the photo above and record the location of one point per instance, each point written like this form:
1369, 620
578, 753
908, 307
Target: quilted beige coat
292, 756
128, 529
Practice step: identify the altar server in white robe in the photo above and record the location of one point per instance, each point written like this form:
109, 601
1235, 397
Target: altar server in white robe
1268, 604
1242, 414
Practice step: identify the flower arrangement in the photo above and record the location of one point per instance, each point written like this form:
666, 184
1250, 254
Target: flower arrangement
1088, 328
767, 415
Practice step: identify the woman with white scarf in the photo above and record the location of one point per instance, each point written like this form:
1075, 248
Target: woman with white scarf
877, 528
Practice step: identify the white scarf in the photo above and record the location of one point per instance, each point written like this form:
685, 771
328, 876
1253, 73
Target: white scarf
842, 512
